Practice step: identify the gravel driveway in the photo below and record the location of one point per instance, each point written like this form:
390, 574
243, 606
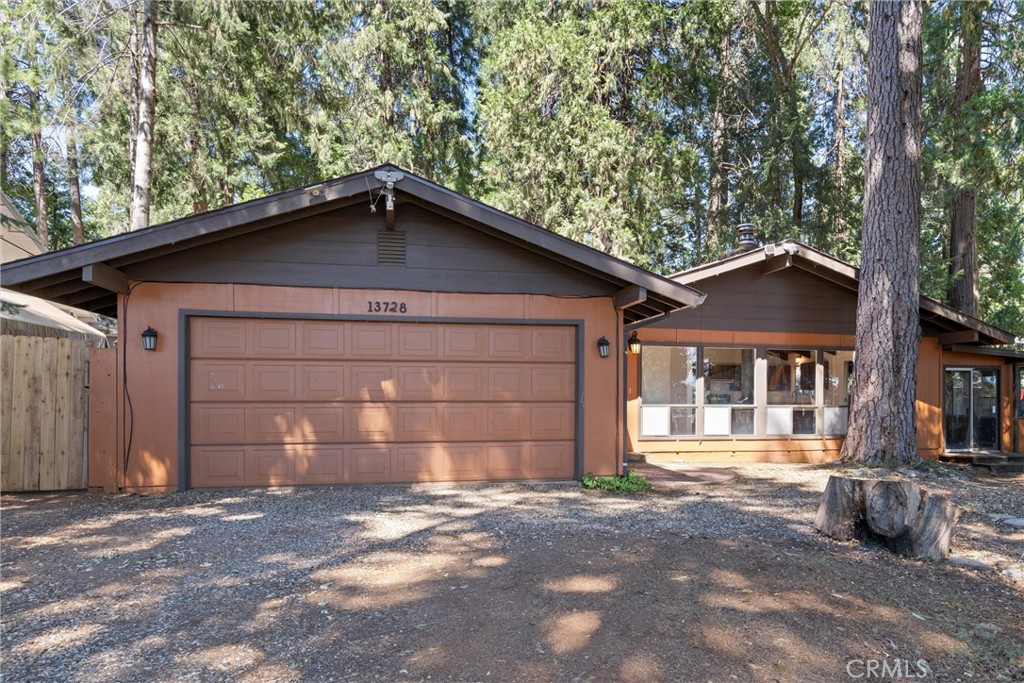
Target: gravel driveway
486, 583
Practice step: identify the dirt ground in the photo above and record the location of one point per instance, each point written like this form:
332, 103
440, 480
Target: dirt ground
528, 582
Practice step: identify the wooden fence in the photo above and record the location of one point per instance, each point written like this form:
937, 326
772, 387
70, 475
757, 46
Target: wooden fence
43, 407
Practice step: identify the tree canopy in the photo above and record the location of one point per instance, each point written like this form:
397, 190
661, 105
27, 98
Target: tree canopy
646, 129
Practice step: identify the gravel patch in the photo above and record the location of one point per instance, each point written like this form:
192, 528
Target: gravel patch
489, 582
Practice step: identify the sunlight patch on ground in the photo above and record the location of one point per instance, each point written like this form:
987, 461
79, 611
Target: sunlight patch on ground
640, 666
583, 583
229, 657
140, 543
59, 639
571, 632
490, 561
243, 517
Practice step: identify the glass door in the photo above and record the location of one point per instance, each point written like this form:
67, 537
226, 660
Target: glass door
971, 409
957, 410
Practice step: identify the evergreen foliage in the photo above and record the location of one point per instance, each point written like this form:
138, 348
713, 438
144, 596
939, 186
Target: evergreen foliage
645, 129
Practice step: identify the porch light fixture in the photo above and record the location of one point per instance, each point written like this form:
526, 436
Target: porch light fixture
149, 339
634, 344
603, 346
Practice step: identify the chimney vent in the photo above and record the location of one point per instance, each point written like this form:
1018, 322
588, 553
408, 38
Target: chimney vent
747, 238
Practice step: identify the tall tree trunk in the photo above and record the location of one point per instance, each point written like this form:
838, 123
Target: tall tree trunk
143, 171
839, 227
71, 143
38, 170
881, 423
133, 89
963, 228
718, 195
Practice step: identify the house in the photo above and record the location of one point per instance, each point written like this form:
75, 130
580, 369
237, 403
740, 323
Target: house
762, 370
371, 329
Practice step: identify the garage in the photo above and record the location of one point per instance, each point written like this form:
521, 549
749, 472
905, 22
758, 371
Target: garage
281, 402
371, 329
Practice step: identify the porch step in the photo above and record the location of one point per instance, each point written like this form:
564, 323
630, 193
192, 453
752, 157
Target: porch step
999, 464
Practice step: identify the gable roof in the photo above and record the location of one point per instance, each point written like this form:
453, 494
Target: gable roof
87, 276
792, 254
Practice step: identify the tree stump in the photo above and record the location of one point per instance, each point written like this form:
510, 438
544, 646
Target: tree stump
902, 515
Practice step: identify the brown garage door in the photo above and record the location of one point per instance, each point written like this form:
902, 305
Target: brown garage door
326, 402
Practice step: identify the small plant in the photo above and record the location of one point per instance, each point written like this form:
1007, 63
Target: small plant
630, 483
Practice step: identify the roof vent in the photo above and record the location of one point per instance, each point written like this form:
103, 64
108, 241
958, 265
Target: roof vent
747, 238
390, 248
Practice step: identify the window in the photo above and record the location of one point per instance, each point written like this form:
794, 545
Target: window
669, 391
728, 384
791, 377
1020, 393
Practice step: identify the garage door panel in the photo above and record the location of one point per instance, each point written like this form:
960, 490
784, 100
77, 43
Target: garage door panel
323, 382
321, 465
270, 466
507, 461
273, 382
373, 382
213, 466
556, 344
275, 338
320, 402
416, 422
552, 383
465, 342
419, 383
508, 343
418, 341
369, 464
322, 424
551, 460
272, 424
465, 382
220, 338
323, 339
218, 380
465, 462
551, 421
211, 424
372, 341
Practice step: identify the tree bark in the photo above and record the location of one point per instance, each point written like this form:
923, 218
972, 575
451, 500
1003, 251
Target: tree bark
881, 422
133, 89
39, 170
718, 195
74, 185
839, 127
964, 291
142, 186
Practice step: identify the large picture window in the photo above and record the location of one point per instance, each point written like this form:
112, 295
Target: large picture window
714, 391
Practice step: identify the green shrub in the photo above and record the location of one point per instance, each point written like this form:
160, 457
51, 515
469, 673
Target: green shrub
631, 483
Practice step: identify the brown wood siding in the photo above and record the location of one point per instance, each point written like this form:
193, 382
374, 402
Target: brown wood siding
441, 255
787, 301
331, 402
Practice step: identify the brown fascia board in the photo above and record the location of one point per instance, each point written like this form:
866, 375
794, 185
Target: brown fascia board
120, 249
841, 273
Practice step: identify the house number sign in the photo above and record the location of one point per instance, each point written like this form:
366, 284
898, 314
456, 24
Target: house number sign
386, 307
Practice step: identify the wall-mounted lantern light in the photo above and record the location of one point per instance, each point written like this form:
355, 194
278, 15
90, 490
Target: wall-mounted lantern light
634, 344
603, 346
149, 339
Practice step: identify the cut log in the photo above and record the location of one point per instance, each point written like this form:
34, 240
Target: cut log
933, 532
841, 508
902, 515
891, 507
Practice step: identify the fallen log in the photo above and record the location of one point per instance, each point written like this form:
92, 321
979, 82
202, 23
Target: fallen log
906, 518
